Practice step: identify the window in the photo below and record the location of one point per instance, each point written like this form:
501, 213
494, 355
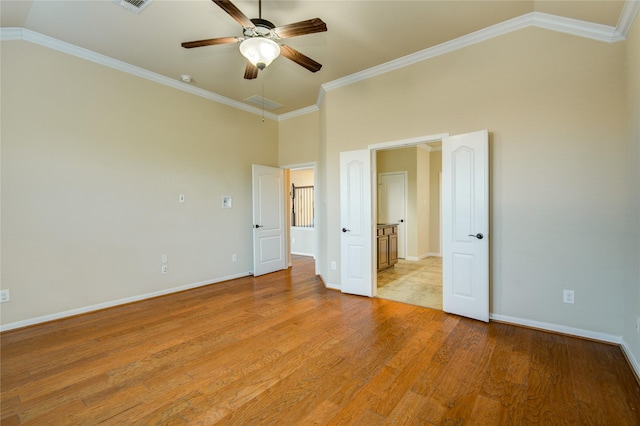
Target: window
302, 206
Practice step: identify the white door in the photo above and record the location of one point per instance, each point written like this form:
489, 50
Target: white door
356, 223
268, 220
392, 204
465, 225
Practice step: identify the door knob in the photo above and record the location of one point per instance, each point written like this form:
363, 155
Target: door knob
401, 221
478, 236
346, 230
258, 226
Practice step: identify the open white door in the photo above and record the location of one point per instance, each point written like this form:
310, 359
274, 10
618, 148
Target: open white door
465, 225
356, 222
268, 220
392, 204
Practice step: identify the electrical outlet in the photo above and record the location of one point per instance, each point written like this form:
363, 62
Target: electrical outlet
568, 296
4, 296
234, 257
334, 266
181, 198
165, 269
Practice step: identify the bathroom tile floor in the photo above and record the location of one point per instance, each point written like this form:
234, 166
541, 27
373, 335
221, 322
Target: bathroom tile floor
414, 282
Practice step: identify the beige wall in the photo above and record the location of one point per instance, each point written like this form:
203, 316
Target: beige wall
632, 293
299, 140
416, 162
554, 105
93, 162
404, 160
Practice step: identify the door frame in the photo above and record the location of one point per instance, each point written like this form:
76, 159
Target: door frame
311, 165
373, 148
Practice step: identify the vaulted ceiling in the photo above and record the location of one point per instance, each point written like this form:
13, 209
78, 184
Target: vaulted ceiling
361, 35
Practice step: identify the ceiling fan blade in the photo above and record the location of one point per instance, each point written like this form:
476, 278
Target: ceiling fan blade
299, 58
235, 13
310, 26
211, 42
250, 71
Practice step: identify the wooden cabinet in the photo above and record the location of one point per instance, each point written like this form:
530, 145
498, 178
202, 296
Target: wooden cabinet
387, 246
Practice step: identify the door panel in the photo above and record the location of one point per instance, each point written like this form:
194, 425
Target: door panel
268, 220
465, 225
392, 204
356, 223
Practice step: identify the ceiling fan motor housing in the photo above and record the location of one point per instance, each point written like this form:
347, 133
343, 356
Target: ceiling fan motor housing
262, 28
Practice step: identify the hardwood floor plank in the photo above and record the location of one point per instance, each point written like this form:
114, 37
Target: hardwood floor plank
282, 349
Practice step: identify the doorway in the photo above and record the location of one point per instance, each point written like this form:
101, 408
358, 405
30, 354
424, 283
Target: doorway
301, 211
417, 276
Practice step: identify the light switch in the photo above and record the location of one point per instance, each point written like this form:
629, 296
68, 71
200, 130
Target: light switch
226, 202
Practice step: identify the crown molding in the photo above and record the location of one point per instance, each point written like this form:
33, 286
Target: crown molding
590, 30
630, 10
89, 55
298, 112
604, 33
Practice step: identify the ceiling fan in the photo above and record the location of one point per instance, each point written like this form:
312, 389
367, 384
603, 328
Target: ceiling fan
258, 43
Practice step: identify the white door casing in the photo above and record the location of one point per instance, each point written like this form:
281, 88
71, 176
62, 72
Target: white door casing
465, 225
268, 220
392, 190
356, 223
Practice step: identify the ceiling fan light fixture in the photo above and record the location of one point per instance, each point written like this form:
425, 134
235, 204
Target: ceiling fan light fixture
260, 51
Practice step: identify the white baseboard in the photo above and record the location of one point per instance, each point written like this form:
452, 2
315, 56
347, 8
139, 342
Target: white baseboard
631, 358
579, 332
332, 286
299, 253
99, 306
422, 256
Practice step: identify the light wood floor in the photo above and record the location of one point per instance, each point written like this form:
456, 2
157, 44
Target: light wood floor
416, 282
281, 349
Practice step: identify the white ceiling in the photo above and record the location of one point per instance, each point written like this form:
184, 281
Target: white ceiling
361, 35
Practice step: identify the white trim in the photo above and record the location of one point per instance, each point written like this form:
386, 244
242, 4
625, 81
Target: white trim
630, 357
408, 142
434, 254
99, 306
630, 10
299, 253
558, 328
571, 331
600, 32
604, 33
418, 258
299, 112
89, 55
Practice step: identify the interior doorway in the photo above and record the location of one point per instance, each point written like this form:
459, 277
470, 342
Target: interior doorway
417, 276
301, 211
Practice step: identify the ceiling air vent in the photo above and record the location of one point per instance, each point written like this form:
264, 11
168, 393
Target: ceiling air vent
263, 102
136, 6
